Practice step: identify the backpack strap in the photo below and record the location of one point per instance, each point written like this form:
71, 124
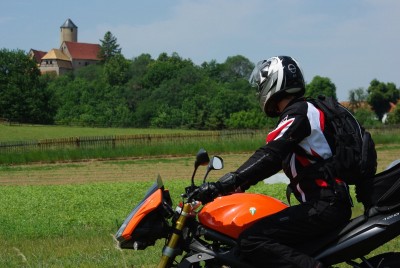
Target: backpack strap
289, 192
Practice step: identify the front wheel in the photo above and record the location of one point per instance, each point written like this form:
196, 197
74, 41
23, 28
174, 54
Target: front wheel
385, 260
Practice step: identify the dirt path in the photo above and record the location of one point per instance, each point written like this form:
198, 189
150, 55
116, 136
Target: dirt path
143, 169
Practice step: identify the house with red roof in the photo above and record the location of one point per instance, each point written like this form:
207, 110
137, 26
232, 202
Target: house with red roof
70, 56
37, 55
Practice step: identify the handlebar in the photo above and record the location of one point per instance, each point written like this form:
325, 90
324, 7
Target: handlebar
191, 192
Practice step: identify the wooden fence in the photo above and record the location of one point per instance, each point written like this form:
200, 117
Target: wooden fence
114, 141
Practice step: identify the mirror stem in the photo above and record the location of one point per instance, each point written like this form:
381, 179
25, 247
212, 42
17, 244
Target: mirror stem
194, 172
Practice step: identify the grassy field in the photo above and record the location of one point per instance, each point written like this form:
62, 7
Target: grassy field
75, 144
64, 214
168, 142
38, 132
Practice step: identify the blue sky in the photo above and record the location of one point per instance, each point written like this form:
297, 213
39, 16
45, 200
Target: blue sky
351, 42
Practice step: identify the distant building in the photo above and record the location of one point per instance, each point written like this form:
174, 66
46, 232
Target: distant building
37, 55
70, 56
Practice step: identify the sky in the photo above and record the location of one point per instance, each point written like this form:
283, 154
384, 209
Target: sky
350, 42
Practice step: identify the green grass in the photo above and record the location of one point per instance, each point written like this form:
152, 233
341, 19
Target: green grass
386, 136
65, 226
39, 132
180, 147
184, 146
72, 225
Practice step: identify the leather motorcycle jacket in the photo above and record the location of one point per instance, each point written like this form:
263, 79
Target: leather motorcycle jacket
297, 141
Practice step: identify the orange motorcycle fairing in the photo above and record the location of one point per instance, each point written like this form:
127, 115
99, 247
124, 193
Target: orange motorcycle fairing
143, 209
234, 213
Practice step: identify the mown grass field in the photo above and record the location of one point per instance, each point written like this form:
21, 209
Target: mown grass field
36, 132
65, 214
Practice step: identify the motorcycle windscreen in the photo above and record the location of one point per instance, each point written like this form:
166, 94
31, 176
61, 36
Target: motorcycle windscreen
150, 202
234, 213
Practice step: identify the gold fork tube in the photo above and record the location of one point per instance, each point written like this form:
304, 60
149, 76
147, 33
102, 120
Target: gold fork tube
168, 251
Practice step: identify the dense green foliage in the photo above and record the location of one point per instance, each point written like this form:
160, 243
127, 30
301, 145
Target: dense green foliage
366, 117
381, 95
167, 92
320, 86
24, 96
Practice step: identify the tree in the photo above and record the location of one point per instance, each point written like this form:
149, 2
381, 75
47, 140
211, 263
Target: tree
252, 119
237, 67
212, 69
23, 95
116, 70
366, 117
381, 95
234, 68
90, 72
109, 47
321, 86
139, 65
134, 87
92, 103
357, 97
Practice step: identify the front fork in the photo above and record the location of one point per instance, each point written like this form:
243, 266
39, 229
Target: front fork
169, 250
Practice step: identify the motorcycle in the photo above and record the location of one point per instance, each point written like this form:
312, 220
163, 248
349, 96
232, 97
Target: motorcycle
198, 235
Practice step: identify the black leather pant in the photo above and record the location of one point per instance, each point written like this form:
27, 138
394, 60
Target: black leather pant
274, 240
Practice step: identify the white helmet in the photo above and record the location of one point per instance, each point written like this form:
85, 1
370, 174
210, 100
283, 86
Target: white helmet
276, 78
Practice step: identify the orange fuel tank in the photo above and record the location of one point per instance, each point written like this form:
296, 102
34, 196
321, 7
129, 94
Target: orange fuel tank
234, 213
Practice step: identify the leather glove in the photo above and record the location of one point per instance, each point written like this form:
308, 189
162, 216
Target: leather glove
227, 183
208, 191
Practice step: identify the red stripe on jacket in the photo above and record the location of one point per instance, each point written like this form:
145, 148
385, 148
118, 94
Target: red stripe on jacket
275, 133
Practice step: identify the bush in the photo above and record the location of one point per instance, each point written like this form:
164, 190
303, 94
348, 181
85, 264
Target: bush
252, 119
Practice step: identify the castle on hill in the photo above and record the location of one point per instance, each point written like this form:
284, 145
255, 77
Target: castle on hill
71, 54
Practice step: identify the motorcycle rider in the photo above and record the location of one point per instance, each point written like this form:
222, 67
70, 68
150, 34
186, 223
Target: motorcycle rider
297, 141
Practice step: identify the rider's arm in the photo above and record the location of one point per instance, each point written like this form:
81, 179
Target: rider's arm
293, 127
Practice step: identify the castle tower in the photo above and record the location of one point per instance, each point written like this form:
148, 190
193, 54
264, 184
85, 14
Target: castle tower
69, 32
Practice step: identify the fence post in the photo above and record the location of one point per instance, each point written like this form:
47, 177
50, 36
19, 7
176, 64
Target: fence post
77, 142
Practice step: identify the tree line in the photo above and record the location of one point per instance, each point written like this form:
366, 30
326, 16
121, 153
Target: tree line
166, 92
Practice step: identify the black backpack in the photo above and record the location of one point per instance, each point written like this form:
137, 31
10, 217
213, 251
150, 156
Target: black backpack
354, 156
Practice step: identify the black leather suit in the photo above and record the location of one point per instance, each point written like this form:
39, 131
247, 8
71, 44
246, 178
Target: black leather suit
298, 141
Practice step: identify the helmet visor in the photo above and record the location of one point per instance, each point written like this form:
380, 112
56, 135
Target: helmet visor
260, 72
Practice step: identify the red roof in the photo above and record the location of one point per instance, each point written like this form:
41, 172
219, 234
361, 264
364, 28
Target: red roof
38, 55
83, 51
